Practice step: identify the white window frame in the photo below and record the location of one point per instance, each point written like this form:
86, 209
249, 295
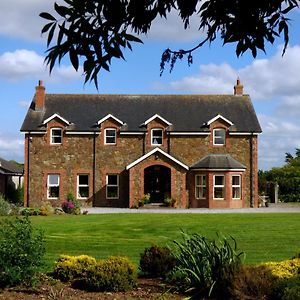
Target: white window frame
112, 185
156, 136
236, 186
223, 186
199, 188
52, 135
215, 138
52, 185
110, 136
83, 185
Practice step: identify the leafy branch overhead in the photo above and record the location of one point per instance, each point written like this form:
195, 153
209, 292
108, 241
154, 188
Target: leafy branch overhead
97, 31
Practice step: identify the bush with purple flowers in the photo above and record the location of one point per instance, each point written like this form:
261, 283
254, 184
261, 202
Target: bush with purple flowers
68, 207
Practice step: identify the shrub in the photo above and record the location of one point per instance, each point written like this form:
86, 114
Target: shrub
70, 267
71, 206
68, 207
21, 251
4, 207
206, 267
157, 261
284, 269
253, 282
30, 211
113, 274
291, 290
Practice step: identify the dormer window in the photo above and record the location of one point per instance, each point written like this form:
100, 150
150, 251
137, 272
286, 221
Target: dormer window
56, 136
110, 136
219, 135
156, 137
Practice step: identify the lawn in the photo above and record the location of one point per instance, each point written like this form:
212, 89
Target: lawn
263, 237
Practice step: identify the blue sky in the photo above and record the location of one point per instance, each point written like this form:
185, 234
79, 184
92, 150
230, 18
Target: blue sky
272, 81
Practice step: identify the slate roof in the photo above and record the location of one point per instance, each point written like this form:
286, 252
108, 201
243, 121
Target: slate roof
218, 161
185, 112
7, 167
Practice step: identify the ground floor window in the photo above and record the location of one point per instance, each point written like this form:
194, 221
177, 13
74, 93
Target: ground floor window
219, 187
236, 187
83, 186
200, 186
112, 186
53, 186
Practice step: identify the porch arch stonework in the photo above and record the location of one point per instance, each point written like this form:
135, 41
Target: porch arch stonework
178, 179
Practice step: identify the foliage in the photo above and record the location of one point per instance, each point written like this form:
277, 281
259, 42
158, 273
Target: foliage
287, 177
271, 280
71, 206
4, 207
113, 274
253, 282
99, 31
30, 211
21, 251
205, 267
157, 261
46, 209
15, 195
170, 202
71, 267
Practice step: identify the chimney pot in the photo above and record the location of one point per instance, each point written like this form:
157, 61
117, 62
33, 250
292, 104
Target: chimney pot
40, 96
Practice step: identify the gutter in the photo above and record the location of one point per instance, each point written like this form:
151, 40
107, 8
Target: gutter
28, 167
94, 169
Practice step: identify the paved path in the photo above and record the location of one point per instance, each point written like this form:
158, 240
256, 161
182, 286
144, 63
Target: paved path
164, 210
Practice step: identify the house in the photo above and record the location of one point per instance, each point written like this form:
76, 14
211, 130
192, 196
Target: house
11, 177
111, 150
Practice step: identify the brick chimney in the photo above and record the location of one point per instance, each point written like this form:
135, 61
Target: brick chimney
40, 96
238, 88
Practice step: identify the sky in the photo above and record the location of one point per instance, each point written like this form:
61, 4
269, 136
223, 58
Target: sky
272, 81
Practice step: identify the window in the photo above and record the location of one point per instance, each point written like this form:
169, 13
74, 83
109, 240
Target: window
82, 186
236, 187
112, 186
110, 136
219, 186
53, 186
200, 186
56, 136
219, 136
156, 136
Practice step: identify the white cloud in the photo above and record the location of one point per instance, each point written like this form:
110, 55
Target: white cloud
20, 19
25, 64
279, 136
263, 79
12, 146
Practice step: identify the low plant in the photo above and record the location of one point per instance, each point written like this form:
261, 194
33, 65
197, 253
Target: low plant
205, 267
71, 267
4, 206
71, 205
30, 211
169, 202
21, 251
46, 209
112, 275
157, 261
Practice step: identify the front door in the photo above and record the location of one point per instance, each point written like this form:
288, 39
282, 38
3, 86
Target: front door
157, 183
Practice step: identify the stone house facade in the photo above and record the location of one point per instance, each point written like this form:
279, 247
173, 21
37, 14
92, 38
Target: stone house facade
111, 150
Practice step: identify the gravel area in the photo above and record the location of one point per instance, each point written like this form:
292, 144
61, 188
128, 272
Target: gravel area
273, 208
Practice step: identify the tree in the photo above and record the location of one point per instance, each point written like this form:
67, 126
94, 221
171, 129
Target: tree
99, 30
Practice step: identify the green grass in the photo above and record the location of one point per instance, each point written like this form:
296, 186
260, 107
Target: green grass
263, 237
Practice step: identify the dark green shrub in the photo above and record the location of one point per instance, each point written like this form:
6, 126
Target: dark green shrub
30, 211
292, 293
157, 261
21, 251
113, 274
204, 267
70, 267
4, 206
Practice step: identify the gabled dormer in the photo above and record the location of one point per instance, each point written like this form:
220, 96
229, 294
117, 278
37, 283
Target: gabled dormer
219, 126
110, 126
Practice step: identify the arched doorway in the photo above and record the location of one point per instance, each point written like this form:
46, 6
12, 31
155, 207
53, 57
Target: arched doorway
157, 183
